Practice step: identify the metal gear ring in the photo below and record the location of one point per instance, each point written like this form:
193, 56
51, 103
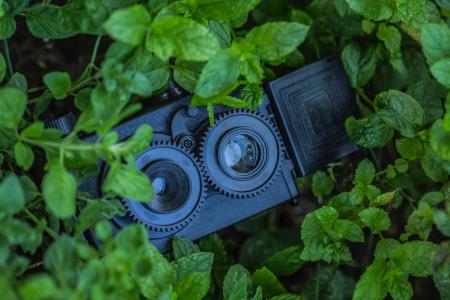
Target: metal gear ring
242, 154
178, 187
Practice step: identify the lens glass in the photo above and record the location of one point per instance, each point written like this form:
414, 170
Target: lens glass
171, 186
241, 153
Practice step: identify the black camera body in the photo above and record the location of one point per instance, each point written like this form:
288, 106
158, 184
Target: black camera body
208, 178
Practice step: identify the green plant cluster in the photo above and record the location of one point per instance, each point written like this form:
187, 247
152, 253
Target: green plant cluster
393, 207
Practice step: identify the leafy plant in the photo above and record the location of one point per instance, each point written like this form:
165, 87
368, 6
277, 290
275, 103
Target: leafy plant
384, 216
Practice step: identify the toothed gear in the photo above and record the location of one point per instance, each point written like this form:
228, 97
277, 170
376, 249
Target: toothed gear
265, 137
179, 164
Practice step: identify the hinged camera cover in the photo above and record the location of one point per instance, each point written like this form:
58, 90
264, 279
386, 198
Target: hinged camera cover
312, 104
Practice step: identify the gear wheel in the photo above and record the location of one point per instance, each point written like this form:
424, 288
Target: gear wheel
179, 189
242, 154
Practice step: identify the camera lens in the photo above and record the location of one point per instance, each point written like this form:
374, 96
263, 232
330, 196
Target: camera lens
241, 153
171, 186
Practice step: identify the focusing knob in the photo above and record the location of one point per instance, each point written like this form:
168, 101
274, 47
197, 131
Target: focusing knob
178, 189
242, 154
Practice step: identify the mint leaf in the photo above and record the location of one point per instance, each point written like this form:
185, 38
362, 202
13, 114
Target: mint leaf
435, 40
12, 197
400, 111
348, 230
429, 94
49, 22
23, 155
182, 38
369, 132
376, 219
13, 103
129, 25
193, 286
322, 184
59, 190
231, 285
415, 258
59, 84
359, 64
224, 9
268, 282
441, 71
7, 27
432, 165
370, 285
219, 73
365, 172
409, 148
274, 41
160, 275
285, 262
183, 247
128, 182
376, 10
251, 68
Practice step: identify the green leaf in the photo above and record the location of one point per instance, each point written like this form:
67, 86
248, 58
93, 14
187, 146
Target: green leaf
182, 38
59, 188
285, 262
128, 182
409, 148
239, 291
224, 9
194, 286
160, 276
441, 71
268, 282
286, 297
23, 155
420, 221
41, 286
442, 220
400, 111
370, 285
429, 94
399, 287
390, 36
415, 258
232, 278
383, 199
441, 280
183, 247
219, 73
2, 67
253, 95
49, 22
432, 166
369, 132
12, 197
376, 10
251, 68
129, 25
7, 27
59, 84
195, 262
435, 40
61, 259
327, 216
359, 64
376, 219
34, 130
274, 41
13, 103
365, 172
322, 184
348, 230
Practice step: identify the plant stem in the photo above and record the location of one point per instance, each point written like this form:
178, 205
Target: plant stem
8, 57
33, 218
364, 96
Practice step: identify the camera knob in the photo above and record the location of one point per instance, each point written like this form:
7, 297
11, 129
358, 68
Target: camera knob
159, 186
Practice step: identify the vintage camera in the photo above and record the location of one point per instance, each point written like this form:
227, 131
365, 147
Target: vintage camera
207, 178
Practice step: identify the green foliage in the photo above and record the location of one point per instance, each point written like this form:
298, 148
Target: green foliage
394, 203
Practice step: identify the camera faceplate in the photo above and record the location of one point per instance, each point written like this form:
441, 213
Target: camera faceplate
258, 170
